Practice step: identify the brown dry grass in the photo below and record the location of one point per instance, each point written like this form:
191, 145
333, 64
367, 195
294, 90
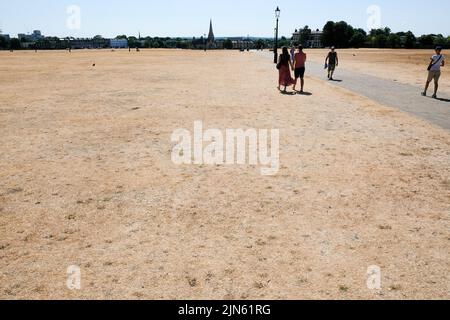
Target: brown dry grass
406, 66
86, 179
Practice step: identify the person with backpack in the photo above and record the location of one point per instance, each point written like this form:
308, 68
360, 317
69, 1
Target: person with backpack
284, 67
434, 71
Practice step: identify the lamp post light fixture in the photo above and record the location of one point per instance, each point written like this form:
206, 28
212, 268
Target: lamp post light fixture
275, 49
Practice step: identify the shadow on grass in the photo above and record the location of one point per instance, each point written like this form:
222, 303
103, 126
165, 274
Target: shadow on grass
304, 93
288, 93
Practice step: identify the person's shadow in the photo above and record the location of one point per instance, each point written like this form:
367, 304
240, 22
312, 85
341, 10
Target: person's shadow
304, 93
443, 99
336, 80
288, 93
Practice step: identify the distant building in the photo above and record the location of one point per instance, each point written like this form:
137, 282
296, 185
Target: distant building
206, 43
89, 43
119, 43
6, 36
239, 43
35, 36
314, 40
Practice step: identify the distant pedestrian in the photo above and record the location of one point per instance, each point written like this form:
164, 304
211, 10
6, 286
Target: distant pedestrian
284, 67
434, 71
331, 62
299, 67
292, 52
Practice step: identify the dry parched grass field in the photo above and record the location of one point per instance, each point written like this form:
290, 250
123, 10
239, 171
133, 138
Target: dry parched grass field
86, 179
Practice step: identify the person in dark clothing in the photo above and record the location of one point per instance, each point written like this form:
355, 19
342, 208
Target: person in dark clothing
332, 61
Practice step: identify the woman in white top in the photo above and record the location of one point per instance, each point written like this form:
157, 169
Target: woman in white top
434, 71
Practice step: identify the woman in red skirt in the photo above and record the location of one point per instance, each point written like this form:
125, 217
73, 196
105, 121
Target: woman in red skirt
284, 68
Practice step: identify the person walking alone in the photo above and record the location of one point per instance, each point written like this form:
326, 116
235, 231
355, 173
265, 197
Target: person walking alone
434, 71
332, 61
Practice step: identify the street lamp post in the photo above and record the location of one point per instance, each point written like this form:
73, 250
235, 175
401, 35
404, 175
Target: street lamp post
275, 49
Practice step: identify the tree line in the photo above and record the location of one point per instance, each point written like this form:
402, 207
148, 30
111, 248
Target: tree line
343, 35
339, 34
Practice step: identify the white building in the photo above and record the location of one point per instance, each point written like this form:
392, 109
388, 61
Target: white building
314, 40
119, 43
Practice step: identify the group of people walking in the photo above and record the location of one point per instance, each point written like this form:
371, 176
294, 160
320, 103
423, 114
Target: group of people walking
295, 60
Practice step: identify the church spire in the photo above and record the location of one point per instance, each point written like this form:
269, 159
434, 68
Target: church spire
211, 33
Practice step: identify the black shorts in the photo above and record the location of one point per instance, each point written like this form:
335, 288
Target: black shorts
300, 73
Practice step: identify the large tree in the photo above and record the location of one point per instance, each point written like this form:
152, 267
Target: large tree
305, 34
228, 44
4, 43
328, 34
337, 34
343, 34
427, 41
410, 40
358, 39
15, 44
394, 41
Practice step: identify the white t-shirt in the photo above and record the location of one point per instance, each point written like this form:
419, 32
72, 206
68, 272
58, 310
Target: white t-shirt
437, 64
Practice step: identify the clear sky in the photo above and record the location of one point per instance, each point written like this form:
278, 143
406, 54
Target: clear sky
230, 17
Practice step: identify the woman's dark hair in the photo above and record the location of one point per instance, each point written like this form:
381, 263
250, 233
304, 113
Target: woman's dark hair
285, 56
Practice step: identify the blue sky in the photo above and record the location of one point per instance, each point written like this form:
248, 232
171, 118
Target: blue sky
231, 18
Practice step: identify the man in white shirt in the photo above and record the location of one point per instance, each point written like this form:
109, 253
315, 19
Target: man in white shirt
434, 71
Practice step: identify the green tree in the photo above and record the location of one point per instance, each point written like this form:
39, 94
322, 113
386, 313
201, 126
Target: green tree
426, 41
122, 37
4, 43
15, 44
410, 40
228, 44
439, 40
328, 34
381, 41
358, 39
394, 41
305, 34
343, 33
98, 37
133, 42
379, 37
283, 42
338, 34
